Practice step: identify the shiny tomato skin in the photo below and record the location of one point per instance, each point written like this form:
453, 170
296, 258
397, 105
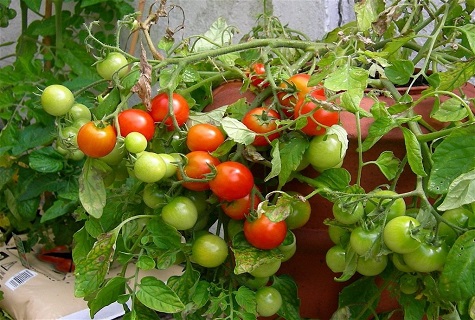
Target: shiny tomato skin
371, 266
263, 233
232, 181
136, 120
397, 234
197, 166
239, 208
257, 75
317, 117
204, 137
427, 257
300, 83
96, 139
262, 120
159, 111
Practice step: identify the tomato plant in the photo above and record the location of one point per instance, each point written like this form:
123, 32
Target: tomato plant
114, 63
96, 139
298, 85
390, 207
325, 152
204, 137
57, 100
198, 164
209, 250
162, 112
136, 120
257, 75
232, 181
263, 233
268, 301
180, 213
262, 121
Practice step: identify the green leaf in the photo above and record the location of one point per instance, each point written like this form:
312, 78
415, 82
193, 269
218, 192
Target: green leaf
87, 242
457, 280
452, 158
290, 300
351, 99
92, 192
377, 130
31, 137
457, 75
156, 295
347, 77
58, 209
335, 179
367, 12
358, 295
218, 35
91, 271
291, 154
388, 163
237, 131
46, 160
413, 151
275, 161
107, 294
400, 71
469, 31
34, 5
246, 299
248, 257
461, 191
107, 105
185, 285
145, 262
450, 110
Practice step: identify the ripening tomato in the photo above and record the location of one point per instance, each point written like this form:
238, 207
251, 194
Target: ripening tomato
57, 100
197, 166
204, 137
335, 258
258, 75
238, 209
427, 257
113, 63
300, 211
459, 217
150, 167
263, 233
371, 266
180, 213
390, 207
348, 211
262, 121
398, 234
136, 120
232, 181
96, 139
318, 118
209, 250
160, 110
364, 240
299, 84
268, 301
325, 152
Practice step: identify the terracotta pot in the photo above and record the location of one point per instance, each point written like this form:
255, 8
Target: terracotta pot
317, 289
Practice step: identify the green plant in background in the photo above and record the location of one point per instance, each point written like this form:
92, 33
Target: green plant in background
38, 185
146, 197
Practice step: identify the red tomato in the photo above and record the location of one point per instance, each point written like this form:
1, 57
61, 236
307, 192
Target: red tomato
204, 137
238, 209
159, 112
265, 234
317, 117
136, 120
198, 164
257, 75
261, 120
233, 181
96, 139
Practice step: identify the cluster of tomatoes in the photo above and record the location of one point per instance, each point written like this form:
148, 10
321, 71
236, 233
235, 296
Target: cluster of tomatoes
201, 174
369, 234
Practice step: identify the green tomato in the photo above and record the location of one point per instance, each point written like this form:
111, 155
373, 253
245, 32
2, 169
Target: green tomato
364, 241
338, 234
79, 112
266, 269
268, 301
255, 283
57, 100
234, 227
398, 234
335, 258
392, 208
300, 211
180, 213
408, 284
209, 250
348, 211
371, 266
135, 142
400, 264
289, 246
459, 217
149, 167
170, 161
427, 257
153, 196
114, 62
325, 152
116, 155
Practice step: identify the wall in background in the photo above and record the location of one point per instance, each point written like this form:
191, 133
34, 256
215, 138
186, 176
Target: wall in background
313, 17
